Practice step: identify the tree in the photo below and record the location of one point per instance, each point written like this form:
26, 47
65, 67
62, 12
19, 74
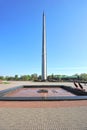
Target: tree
1, 78
58, 77
9, 78
25, 77
39, 77
16, 77
34, 77
83, 77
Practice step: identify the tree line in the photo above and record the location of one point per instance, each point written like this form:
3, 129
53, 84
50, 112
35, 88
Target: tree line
52, 77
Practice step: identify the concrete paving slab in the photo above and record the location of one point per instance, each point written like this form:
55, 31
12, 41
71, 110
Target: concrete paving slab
43, 118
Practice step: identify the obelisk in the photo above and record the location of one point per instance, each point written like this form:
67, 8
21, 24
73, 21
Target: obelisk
44, 53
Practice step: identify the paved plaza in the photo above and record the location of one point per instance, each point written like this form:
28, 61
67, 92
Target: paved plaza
19, 83
43, 117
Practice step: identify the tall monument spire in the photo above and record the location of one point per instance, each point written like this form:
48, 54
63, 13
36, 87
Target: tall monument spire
44, 55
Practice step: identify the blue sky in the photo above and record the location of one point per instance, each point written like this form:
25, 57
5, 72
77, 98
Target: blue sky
21, 36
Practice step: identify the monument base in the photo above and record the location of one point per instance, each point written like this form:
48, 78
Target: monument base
44, 80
